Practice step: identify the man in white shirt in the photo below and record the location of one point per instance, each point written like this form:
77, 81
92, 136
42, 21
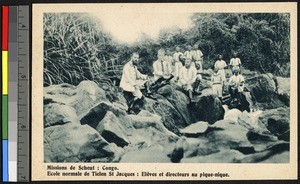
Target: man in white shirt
236, 84
133, 81
177, 54
161, 67
168, 58
187, 77
217, 82
235, 62
221, 65
189, 53
197, 56
177, 57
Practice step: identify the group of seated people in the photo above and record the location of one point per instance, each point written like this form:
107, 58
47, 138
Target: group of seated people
183, 69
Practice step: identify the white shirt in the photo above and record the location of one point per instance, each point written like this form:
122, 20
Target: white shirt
188, 54
216, 78
187, 75
197, 55
237, 81
170, 60
176, 56
161, 69
130, 77
178, 66
235, 62
220, 64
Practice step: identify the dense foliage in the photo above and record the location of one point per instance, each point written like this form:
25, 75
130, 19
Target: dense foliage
76, 48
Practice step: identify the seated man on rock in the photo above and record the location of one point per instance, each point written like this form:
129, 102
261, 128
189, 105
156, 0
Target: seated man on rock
133, 81
236, 86
197, 83
162, 70
187, 78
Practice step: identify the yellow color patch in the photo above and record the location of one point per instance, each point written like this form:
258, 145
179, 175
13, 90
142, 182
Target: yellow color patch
4, 72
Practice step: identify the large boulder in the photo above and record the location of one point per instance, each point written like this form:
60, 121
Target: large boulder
111, 129
263, 90
208, 107
232, 114
179, 101
81, 97
250, 121
65, 142
195, 129
61, 93
95, 114
230, 135
277, 121
171, 117
149, 131
58, 114
145, 120
88, 94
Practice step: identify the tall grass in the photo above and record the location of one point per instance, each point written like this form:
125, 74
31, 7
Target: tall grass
75, 49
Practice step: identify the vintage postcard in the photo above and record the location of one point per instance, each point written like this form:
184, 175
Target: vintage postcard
164, 91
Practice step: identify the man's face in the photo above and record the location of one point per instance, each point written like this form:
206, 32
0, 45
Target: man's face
220, 57
195, 47
234, 54
177, 49
160, 55
187, 63
189, 47
235, 72
168, 52
216, 70
135, 59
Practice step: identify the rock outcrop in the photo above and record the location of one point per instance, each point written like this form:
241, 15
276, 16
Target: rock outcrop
208, 107
86, 123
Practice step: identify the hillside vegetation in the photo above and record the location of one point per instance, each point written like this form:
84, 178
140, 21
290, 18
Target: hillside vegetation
76, 48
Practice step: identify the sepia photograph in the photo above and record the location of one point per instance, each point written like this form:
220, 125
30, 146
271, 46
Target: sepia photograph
178, 87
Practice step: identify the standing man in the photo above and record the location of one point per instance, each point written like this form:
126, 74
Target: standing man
217, 82
189, 53
197, 56
177, 57
133, 81
235, 62
177, 54
168, 58
187, 77
220, 64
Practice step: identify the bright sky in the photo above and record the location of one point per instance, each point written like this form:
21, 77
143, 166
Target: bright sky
128, 27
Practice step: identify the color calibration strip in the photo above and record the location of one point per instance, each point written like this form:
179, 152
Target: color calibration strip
5, 17
15, 93
12, 92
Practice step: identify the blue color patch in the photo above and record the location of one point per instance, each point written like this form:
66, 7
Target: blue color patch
5, 160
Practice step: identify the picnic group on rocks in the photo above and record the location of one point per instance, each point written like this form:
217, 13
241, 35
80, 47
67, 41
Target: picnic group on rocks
185, 71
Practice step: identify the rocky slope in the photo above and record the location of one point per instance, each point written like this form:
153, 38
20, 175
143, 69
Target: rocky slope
87, 123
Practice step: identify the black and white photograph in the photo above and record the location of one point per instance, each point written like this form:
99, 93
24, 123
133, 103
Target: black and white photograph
178, 87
